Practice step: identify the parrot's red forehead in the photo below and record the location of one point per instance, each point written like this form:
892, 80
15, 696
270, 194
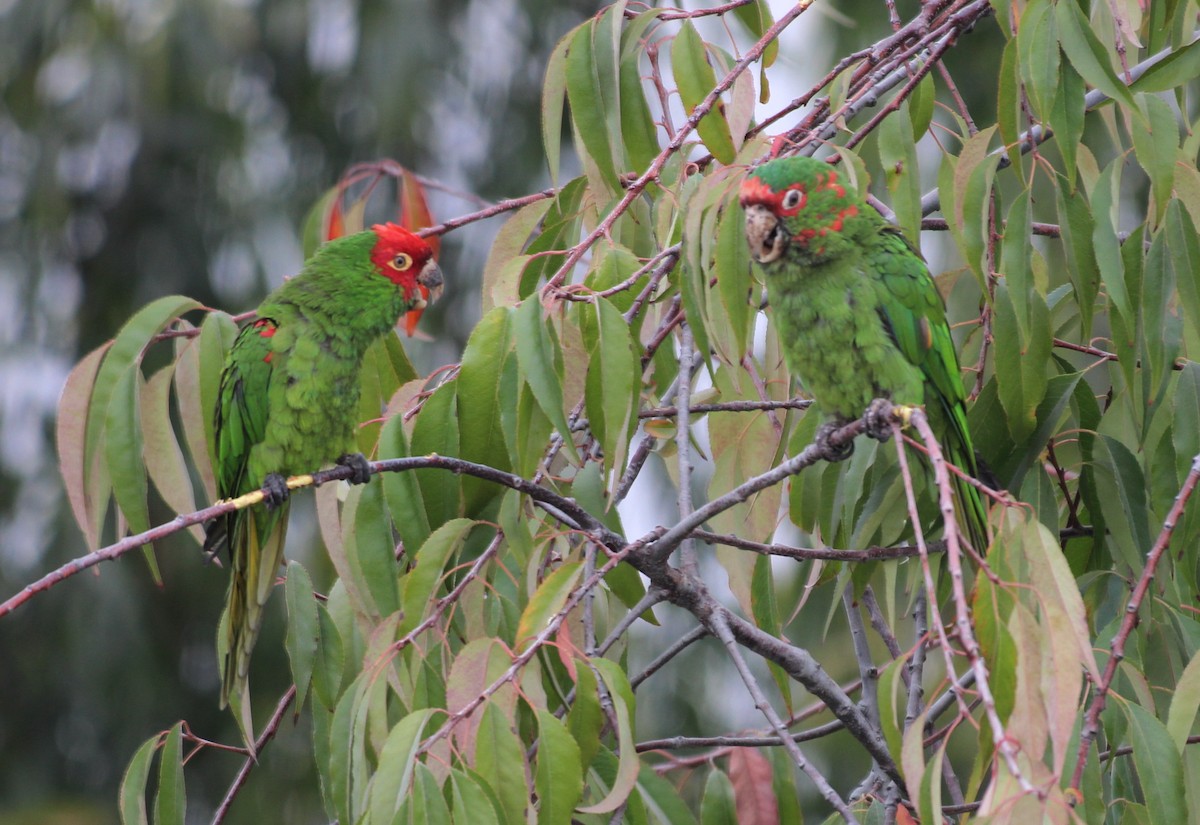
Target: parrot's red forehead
756, 190
399, 254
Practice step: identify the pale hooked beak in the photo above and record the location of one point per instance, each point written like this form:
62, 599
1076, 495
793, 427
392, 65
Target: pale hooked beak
429, 288
765, 234
431, 279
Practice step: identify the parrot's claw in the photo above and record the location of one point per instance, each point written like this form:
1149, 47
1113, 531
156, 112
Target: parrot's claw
360, 470
831, 452
275, 490
879, 417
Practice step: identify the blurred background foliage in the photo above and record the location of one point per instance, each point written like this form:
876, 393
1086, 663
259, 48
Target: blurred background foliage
150, 147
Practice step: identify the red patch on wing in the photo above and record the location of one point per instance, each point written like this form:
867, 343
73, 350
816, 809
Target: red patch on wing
265, 326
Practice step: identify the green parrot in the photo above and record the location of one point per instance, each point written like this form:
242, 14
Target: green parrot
859, 317
288, 404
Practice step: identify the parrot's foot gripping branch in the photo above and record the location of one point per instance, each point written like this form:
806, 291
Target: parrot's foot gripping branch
881, 414
360, 468
275, 490
829, 451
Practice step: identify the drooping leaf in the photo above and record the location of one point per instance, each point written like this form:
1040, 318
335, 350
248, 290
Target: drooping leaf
133, 784
547, 601
303, 630
695, 78
558, 777
170, 803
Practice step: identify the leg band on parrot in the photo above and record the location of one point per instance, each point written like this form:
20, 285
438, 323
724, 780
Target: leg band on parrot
360, 470
830, 452
275, 490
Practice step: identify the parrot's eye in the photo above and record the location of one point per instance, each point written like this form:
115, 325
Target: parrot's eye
792, 199
402, 261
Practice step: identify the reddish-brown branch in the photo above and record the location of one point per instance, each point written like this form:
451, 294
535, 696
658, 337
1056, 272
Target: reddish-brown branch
248, 765
1091, 721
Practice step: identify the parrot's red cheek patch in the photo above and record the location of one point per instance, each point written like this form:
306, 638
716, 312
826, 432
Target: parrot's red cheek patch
838, 222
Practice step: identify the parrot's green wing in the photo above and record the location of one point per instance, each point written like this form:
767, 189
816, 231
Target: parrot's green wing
915, 316
254, 536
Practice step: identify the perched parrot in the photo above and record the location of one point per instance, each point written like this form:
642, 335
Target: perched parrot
859, 317
288, 404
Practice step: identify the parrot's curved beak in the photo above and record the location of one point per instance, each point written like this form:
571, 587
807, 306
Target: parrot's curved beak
430, 283
765, 234
431, 279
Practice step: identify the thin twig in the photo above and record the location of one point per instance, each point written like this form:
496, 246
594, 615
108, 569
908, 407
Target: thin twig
1091, 720
719, 625
248, 765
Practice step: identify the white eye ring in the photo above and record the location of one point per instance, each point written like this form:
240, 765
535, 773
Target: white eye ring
401, 262
792, 198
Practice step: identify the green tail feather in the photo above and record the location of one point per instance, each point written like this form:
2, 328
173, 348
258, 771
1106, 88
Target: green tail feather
256, 542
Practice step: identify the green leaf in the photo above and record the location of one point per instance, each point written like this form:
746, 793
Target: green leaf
217, 334
303, 630
1037, 42
436, 431
1067, 119
547, 601
898, 156
133, 784
695, 78
1086, 53
170, 803
558, 778
425, 578
1106, 212
718, 806
735, 283
401, 491
613, 379
392, 779
1183, 251
638, 131
1156, 146
623, 711
965, 184
892, 704
1176, 69
192, 415
425, 803
537, 354
329, 663
125, 352
1158, 765
585, 719
123, 453
505, 263
757, 17
1077, 226
370, 548
469, 802
1185, 703
481, 436
500, 761
590, 103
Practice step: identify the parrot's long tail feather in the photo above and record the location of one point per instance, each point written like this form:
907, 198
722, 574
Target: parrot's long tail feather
257, 542
972, 513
